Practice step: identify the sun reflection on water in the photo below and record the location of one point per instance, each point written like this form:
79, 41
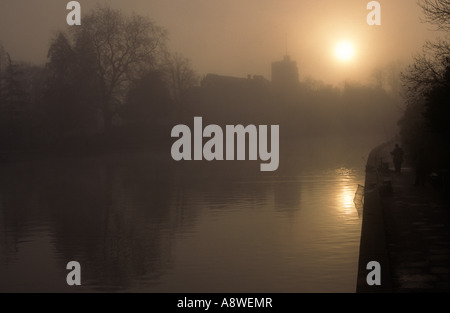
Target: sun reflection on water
346, 196
346, 191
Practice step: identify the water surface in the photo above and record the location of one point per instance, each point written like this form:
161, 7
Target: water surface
138, 223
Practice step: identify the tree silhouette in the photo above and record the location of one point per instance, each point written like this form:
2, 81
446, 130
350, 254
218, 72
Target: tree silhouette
14, 104
437, 12
179, 75
122, 47
425, 123
72, 89
148, 109
429, 67
437, 112
3, 61
427, 71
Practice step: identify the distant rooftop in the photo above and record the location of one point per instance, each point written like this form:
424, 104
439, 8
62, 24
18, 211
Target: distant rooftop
211, 80
285, 73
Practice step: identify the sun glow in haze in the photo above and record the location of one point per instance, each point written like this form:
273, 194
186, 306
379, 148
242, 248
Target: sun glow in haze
344, 51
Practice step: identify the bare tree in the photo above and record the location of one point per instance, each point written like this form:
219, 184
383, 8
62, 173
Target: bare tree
378, 74
425, 121
437, 12
387, 77
3, 62
72, 89
179, 75
123, 47
428, 70
430, 66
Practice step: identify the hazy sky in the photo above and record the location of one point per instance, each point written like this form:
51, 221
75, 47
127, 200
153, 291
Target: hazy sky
240, 37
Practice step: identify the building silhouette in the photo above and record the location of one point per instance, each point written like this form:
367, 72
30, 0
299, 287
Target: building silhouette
284, 74
233, 83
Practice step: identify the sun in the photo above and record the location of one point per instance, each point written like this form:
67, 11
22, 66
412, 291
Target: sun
344, 51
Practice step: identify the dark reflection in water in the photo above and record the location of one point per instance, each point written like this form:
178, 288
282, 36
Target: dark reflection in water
136, 223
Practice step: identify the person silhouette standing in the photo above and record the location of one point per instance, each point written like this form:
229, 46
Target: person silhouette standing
397, 156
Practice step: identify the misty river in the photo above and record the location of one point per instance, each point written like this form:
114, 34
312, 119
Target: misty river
139, 222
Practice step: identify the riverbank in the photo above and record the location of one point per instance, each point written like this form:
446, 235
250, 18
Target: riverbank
405, 228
